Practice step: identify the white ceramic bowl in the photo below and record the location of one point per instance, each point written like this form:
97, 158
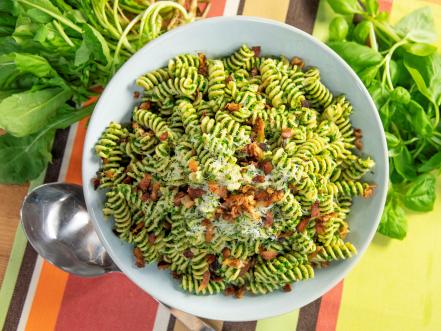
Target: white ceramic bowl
218, 37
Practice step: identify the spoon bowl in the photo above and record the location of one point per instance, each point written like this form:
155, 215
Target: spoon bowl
56, 222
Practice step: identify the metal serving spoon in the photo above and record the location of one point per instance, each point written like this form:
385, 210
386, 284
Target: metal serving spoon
57, 224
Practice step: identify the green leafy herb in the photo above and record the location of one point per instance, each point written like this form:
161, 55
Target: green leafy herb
420, 195
346, 6
417, 26
27, 157
24, 157
79, 43
393, 222
338, 28
433, 163
27, 112
402, 70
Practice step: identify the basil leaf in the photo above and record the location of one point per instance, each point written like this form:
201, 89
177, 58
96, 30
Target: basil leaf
385, 115
393, 144
379, 93
421, 195
426, 72
399, 74
357, 56
346, 7
418, 26
433, 163
361, 31
27, 112
404, 164
368, 75
393, 221
420, 49
420, 120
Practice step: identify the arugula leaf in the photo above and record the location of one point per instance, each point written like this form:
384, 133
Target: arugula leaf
393, 222
420, 195
27, 112
82, 54
418, 26
357, 56
24, 158
17, 69
97, 44
346, 7
8, 45
404, 164
6, 6
433, 163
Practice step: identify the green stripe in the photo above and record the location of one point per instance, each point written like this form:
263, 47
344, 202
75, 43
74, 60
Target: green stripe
14, 264
287, 322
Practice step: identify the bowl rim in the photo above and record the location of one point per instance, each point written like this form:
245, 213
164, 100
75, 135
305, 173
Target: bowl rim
126, 268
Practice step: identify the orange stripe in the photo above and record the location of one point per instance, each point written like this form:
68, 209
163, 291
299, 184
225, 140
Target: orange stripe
73, 174
329, 307
52, 282
47, 299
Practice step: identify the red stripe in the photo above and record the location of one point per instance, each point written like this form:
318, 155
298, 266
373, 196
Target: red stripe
386, 5
110, 302
329, 308
217, 8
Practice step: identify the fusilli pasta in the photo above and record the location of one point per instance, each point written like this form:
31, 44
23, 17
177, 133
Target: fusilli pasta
237, 174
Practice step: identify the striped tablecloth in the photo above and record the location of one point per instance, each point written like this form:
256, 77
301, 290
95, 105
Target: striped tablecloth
396, 286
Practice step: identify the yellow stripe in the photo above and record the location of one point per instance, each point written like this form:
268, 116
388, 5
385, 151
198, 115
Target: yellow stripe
273, 9
397, 284
287, 322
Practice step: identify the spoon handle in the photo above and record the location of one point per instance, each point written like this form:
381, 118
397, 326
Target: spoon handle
190, 321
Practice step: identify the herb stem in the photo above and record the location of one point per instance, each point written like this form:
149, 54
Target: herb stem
387, 59
63, 34
386, 29
54, 15
420, 149
372, 38
410, 141
435, 124
115, 16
